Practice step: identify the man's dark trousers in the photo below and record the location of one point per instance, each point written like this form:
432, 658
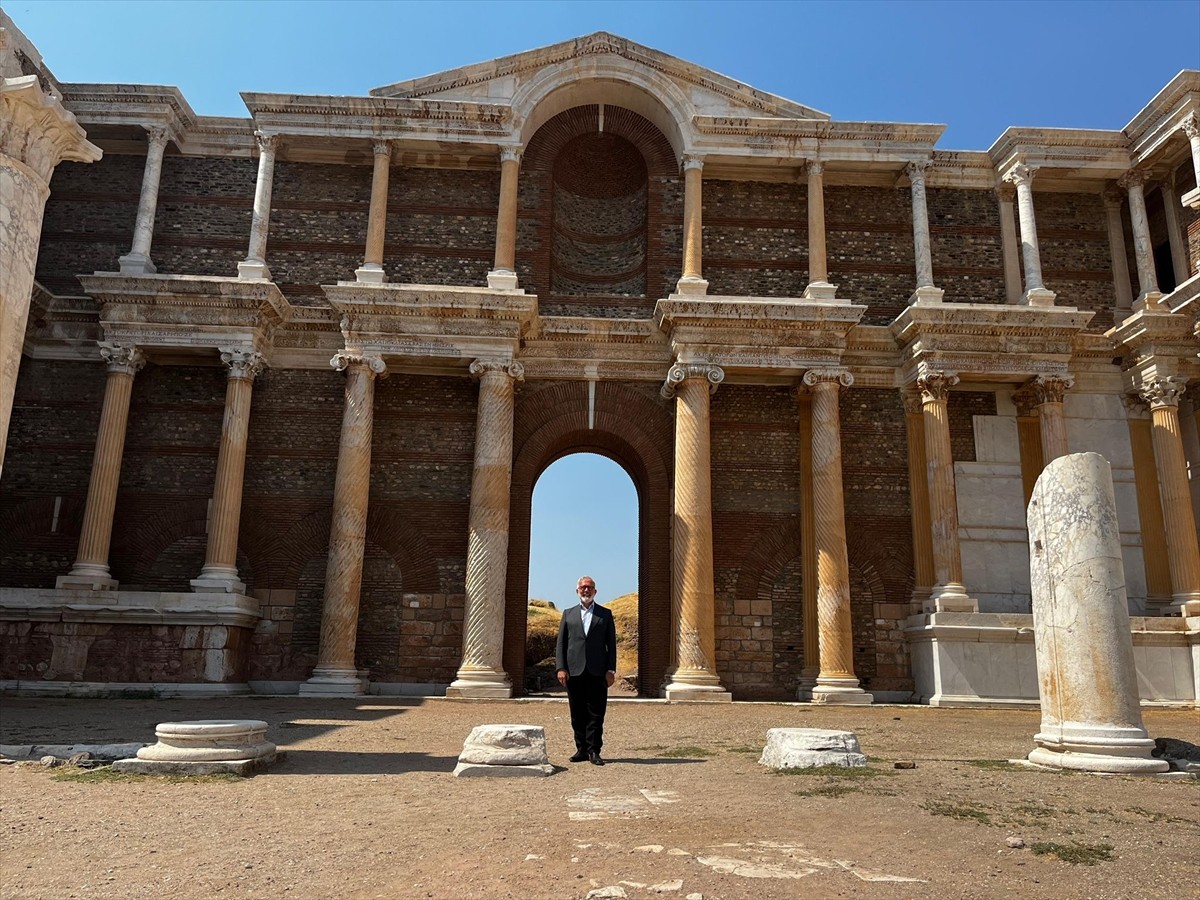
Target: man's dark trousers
588, 697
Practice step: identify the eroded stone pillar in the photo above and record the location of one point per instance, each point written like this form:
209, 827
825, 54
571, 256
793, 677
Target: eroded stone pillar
90, 571
1143, 250
948, 593
1179, 259
371, 271
137, 260
255, 263
918, 482
1049, 392
693, 600
36, 134
336, 671
1116, 249
220, 560
504, 272
836, 682
1005, 196
819, 287
1183, 554
692, 281
926, 292
808, 553
482, 674
1036, 293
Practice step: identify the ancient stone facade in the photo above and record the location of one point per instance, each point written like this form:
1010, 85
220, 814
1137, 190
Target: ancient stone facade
287, 382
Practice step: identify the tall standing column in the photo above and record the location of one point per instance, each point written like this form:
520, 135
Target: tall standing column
220, 560
1116, 249
1050, 391
918, 486
336, 671
1005, 197
926, 291
137, 260
1191, 127
692, 282
819, 287
371, 271
503, 276
808, 552
90, 571
836, 682
948, 594
1179, 260
482, 674
255, 263
1183, 554
693, 600
1036, 293
1029, 440
1143, 250
36, 133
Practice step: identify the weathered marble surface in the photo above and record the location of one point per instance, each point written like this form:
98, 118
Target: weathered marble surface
209, 740
806, 748
504, 750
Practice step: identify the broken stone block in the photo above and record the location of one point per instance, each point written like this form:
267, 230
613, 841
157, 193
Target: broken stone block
806, 748
504, 750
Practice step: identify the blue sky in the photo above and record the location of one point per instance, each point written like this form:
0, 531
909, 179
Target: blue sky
977, 67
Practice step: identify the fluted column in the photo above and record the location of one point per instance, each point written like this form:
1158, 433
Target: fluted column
90, 571
1029, 440
819, 287
220, 560
918, 486
1049, 392
1191, 127
336, 671
1143, 250
503, 275
926, 291
1179, 259
808, 552
1183, 555
1005, 197
255, 263
692, 282
1116, 249
948, 594
371, 271
1149, 504
836, 682
482, 674
693, 601
1036, 293
137, 260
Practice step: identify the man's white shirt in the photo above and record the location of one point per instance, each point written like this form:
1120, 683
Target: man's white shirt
585, 613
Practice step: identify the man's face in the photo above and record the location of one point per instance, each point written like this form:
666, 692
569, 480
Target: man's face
586, 589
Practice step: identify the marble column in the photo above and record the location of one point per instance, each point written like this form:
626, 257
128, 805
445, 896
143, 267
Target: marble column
90, 571
836, 682
948, 594
220, 560
1005, 197
503, 276
1183, 554
926, 291
482, 674
255, 263
36, 134
819, 287
1049, 392
371, 271
692, 282
1036, 293
1116, 249
693, 600
1191, 127
808, 552
137, 260
1143, 250
1179, 257
918, 486
336, 671
1029, 440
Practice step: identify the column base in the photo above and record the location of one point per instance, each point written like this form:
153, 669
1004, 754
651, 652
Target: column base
918, 599
253, 270
1118, 749
926, 296
1038, 297
950, 597
370, 273
218, 579
480, 684
820, 290
1151, 301
334, 681
86, 578
696, 684
137, 264
502, 280
691, 286
841, 691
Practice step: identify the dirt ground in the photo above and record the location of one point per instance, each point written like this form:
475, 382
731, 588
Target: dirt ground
365, 805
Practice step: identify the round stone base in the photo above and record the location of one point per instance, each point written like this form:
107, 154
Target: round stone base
209, 740
1095, 762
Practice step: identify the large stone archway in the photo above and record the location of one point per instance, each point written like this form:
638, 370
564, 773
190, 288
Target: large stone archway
631, 425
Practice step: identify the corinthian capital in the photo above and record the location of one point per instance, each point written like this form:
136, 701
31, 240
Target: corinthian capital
383, 148
158, 137
344, 359
681, 372
916, 171
832, 375
936, 385
1051, 388
267, 143
510, 154
1132, 178
1005, 192
691, 161
911, 400
1113, 197
242, 364
1191, 126
1021, 175
1163, 392
815, 167
124, 358
509, 368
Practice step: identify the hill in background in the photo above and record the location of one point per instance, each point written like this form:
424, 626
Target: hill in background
542, 633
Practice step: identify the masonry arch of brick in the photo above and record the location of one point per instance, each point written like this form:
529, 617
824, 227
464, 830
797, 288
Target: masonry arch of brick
33, 544
635, 429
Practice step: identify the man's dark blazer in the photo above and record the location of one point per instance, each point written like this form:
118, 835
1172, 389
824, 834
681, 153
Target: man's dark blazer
596, 651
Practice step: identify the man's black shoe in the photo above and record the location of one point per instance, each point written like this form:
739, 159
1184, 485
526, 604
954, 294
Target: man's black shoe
596, 760
580, 756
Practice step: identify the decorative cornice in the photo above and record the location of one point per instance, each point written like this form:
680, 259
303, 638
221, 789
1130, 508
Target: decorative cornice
344, 359
243, 364
681, 372
124, 359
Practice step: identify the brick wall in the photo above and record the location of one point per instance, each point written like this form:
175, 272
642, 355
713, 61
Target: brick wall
1075, 253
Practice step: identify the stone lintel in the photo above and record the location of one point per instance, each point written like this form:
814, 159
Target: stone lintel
761, 321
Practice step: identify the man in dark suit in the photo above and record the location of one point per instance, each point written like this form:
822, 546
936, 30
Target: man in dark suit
586, 658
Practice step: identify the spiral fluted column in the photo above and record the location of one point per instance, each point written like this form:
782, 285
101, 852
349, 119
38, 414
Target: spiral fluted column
220, 560
336, 671
948, 594
918, 486
836, 682
371, 271
255, 263
503, 275
808, 552
1183, 555
1049, 391
137, 260
693, 602
482, 674
90, 571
